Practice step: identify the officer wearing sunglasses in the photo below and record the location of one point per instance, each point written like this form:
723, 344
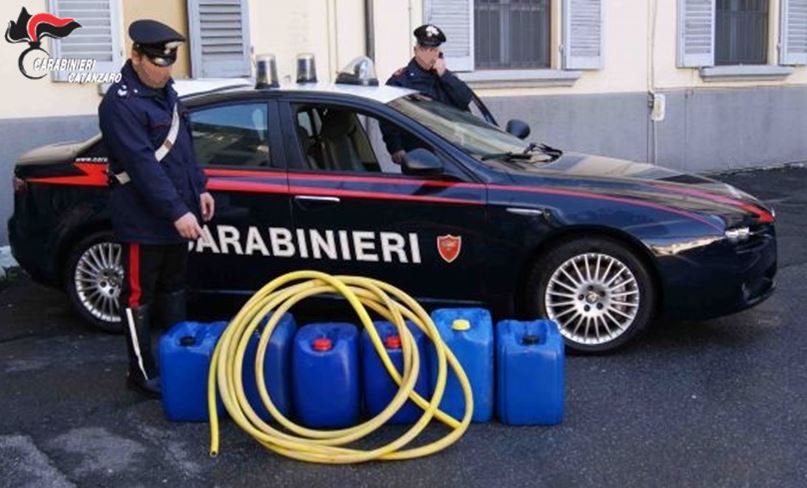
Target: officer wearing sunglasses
157, 198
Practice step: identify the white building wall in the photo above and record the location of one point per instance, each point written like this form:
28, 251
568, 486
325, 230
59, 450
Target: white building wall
333, 30
24, 98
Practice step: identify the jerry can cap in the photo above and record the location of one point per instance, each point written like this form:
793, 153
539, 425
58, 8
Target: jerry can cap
392, 342
322, 344
461, 324
530, 340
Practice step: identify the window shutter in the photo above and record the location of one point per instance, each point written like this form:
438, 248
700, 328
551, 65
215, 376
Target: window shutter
219, 44
793, 43
98, 38
456, 19
696, 33
582, 34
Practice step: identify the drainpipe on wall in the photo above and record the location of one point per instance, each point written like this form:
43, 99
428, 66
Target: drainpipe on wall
656, 101
369, 30
333, 40
411, 27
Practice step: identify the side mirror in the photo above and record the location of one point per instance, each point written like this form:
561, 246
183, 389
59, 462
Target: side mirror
421, 162
518, 128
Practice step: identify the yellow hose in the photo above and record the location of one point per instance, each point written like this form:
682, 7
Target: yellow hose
325, 446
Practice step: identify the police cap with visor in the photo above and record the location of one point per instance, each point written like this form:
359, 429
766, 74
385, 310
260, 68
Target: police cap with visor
429, 35
156, 41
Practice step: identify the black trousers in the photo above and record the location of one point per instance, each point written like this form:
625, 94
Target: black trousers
149, 270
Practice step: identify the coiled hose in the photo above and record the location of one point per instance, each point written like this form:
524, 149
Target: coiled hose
327, 446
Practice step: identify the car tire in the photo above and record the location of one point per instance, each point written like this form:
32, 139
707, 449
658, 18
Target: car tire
93, 274
597, 290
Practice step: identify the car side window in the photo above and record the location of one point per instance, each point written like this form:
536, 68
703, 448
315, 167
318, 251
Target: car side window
337, 139
342, 139
231, 135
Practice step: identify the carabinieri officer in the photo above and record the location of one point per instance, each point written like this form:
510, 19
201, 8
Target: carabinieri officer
426, 73
158, 196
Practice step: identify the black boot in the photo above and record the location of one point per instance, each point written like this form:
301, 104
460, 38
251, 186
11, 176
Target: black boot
171, 309
143, 375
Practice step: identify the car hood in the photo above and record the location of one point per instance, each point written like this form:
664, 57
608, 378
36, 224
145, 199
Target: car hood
646, 182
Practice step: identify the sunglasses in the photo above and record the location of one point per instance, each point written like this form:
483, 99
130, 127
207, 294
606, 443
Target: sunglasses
160, 55
162, 61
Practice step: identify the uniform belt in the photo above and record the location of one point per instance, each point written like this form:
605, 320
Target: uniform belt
161, 152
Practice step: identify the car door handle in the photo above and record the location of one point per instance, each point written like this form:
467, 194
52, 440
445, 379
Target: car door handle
314, 198
315, 202
527, 211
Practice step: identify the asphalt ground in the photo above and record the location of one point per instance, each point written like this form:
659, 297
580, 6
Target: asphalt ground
715, 403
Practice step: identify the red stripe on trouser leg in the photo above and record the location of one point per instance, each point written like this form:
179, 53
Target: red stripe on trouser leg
134, 275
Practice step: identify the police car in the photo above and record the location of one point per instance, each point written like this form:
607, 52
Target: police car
473, 216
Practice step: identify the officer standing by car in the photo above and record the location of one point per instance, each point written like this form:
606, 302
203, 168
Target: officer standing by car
426, 73
158, 192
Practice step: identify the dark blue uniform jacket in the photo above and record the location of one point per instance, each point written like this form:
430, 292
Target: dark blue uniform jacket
135, 120
447, 89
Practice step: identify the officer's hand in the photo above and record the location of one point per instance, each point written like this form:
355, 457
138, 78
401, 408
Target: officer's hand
188, 226
440, 66
397, 156
208, 206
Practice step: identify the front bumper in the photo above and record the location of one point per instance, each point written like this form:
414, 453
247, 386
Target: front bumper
719, 279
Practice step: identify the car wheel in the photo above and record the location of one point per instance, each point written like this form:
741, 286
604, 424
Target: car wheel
93, 275
599, 292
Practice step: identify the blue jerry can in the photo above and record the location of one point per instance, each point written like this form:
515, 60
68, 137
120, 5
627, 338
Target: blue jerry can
185, 353
379, 387
529, 361
325, 375
276, 367
468, 332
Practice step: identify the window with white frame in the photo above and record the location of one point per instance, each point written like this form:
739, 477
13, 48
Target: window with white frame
741, 32
98, 38
516, 34
736, 32
512, 34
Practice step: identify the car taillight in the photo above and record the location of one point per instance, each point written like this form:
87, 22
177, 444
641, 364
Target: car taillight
19, 185
762, 215
765, 217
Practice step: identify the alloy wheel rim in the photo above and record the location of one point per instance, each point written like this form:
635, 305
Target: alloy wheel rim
98, 277
593, 297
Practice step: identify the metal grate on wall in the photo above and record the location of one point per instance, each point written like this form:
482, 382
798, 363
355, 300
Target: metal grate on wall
512, 34
741, 35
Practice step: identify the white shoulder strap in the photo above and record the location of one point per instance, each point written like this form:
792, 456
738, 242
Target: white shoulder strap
161, 151
170, 139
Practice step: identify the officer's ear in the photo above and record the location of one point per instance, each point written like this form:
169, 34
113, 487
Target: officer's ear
137, 58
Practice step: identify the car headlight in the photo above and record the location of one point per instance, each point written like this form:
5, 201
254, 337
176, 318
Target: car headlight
738, 234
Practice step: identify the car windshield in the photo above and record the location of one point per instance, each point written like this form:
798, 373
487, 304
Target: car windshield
474, 136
